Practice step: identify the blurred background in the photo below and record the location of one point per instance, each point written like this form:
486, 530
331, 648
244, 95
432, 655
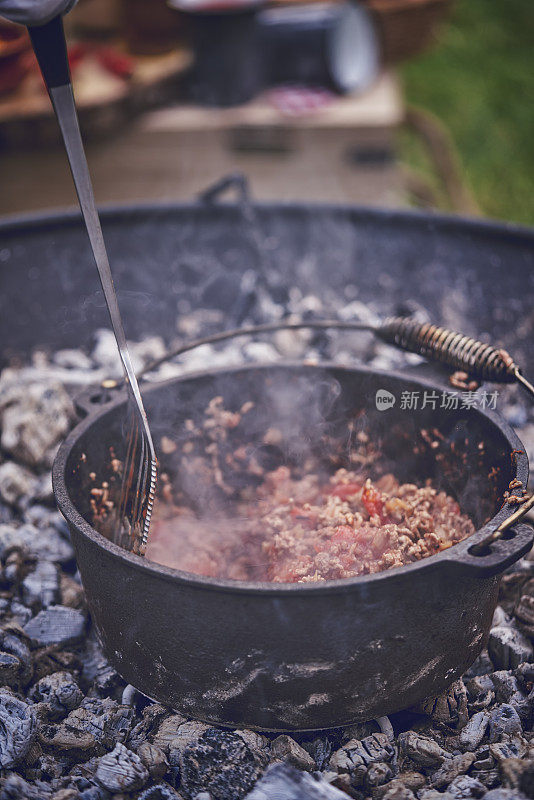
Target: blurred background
386, 103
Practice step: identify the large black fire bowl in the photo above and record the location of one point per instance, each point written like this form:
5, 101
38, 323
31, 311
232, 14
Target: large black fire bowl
302, 656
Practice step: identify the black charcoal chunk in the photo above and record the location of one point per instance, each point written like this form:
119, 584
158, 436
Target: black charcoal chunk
285, 748
14, 642
504, 794
464, 787
59, 691
480, 666
378, 774
422, 750
320, 750
35, 415
451, 768
474, 731
399, 793
20, 613
162, 791
97, 670
284, 782
154, 760
17, 729
447, 708
504, 721
14, 787
16, 483
56, 625
40, 588
121, 770
222, 763
91, 729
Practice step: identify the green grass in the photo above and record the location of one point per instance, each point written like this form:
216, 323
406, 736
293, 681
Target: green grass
479, 80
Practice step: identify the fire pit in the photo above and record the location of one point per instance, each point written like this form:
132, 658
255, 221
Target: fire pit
186, 272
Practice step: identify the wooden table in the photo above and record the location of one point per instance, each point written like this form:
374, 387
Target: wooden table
343, 153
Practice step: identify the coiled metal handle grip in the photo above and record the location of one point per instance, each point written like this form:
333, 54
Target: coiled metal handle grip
454, 349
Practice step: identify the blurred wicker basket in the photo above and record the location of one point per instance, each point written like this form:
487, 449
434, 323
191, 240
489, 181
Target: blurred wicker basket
406, 27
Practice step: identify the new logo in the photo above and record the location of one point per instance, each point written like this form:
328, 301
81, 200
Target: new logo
384, 399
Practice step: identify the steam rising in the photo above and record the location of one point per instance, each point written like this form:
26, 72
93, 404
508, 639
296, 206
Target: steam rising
249, 424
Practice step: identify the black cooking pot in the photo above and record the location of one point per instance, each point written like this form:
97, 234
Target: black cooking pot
315, 655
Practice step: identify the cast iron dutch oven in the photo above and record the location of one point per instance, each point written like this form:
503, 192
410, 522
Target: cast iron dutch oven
314, 655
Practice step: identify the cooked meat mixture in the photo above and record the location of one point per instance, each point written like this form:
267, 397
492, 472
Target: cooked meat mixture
306, 529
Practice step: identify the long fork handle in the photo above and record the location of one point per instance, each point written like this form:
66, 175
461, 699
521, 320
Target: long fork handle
51, 51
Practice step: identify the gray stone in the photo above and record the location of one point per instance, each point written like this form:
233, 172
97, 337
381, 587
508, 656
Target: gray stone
56, 625
287, 749
473, 733
146, 727
40, 588
121, 770
508, 647
284, 782
17, 729
504, 721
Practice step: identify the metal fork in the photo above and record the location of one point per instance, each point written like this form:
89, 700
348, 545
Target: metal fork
139, 474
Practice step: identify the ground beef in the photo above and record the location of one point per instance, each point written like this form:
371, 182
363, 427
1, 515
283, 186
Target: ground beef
300, 529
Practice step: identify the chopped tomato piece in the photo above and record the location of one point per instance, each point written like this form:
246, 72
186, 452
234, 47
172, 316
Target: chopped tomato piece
344, 490
343, 534
372, 500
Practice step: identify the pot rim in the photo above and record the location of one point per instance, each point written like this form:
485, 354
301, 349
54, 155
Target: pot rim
68, 217
341, 585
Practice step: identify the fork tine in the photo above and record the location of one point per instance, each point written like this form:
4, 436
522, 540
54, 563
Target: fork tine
138, 489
